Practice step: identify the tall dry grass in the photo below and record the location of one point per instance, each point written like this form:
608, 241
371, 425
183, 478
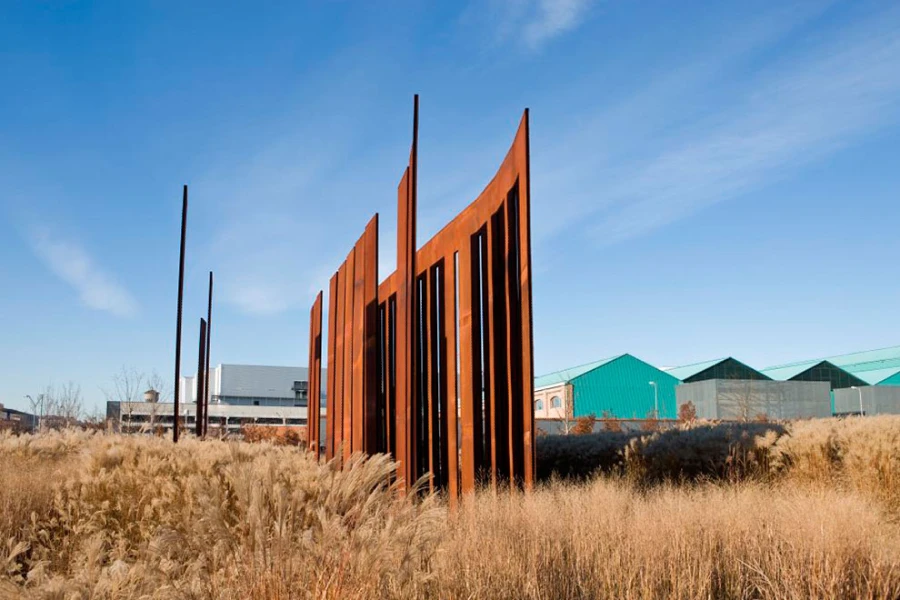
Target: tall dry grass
815, 516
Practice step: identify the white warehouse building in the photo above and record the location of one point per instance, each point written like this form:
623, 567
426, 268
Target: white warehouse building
238, 395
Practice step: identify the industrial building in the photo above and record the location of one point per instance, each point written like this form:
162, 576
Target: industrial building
622, 386
719, 368
726, 388
869, 367
748, 399
239, 395
822, 370
868, 400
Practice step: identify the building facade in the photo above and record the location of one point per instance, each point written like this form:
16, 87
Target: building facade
622, 387
240, 395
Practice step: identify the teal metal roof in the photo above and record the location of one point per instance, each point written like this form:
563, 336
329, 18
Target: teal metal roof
622, 387
785, 372
876, 376
872, 366
685, 371
567, 375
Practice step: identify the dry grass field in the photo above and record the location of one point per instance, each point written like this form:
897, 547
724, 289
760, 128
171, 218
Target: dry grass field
803, 510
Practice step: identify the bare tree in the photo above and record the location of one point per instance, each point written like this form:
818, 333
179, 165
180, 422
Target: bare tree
69, 404
161, 385
126, 390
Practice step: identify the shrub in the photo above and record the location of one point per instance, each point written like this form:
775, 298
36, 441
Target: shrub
278, 436
584, 425
581, 456
687, 412
731, 451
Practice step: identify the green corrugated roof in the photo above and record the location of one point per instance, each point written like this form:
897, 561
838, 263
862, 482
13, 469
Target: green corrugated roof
872, 366
685, 371
876, 376
621, 387
785, 372
567, 375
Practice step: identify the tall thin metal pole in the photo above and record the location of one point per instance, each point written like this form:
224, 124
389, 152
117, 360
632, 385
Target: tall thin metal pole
184, 207
201, 385
208, 341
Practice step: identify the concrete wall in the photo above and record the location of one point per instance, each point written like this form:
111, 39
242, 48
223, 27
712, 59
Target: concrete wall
741, 399
876, 400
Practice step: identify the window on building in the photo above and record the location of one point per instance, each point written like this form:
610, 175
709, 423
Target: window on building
556, 402
256, 403
540, 405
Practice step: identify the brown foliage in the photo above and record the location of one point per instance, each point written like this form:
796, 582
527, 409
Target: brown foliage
651, 423
610, 422
278, 436
687, 412
584, 425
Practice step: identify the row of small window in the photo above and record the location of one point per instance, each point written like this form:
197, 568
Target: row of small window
555, 402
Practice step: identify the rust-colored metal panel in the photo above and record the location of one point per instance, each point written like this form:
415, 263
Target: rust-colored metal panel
467, 385
522, 154
369, 348
450, 403
332, 367
428, 389
489, 335
357, 326
339, 381
314, 386
469, 290
347, 394
501, 342
405, 326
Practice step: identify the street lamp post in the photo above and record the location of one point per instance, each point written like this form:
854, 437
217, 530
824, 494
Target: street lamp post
655, 399
859, 391
34, 405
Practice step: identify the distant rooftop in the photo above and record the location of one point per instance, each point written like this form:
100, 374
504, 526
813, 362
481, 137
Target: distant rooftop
567, 375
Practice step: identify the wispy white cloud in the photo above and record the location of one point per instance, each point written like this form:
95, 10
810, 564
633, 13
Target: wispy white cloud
71, 262
551, 18
534, 22
788, 114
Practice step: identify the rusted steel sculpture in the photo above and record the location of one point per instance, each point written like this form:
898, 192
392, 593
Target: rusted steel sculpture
201, 363
434, 365
184, 207
352, 363
314, 389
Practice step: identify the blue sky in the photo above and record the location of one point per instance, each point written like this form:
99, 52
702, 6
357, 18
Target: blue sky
708, 179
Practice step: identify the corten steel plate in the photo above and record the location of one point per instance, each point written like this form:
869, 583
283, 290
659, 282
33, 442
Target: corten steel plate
351, 409
315, 376
435, 364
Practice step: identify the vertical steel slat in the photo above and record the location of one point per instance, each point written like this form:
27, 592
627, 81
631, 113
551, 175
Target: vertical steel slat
467, 383
449, 367
369, 347
347, 396
330, 387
